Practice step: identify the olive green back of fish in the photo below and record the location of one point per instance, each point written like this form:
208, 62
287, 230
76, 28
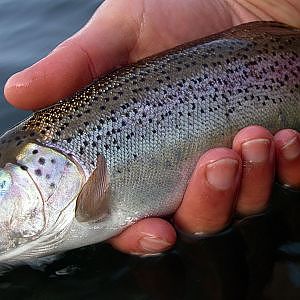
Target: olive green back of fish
150, 121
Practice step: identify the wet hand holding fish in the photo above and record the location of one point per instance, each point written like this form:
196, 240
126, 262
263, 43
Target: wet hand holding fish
124, 147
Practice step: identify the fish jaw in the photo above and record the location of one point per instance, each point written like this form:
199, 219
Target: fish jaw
38, 193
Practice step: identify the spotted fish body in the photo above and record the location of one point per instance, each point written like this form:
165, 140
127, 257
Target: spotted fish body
140, 130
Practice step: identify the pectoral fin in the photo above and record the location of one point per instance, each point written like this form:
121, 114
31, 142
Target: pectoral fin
92, 202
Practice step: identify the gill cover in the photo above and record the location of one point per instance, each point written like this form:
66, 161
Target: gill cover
38, 193
21, 208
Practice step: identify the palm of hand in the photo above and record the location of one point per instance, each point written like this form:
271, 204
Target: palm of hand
174, 23
119, 33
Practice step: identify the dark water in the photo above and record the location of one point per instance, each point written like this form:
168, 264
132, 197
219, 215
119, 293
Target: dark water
258, 259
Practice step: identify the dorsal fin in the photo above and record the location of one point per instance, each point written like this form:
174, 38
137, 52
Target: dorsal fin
92, 202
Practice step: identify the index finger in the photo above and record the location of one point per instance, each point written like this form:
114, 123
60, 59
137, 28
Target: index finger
77, 61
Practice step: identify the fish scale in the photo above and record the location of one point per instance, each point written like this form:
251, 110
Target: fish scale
152, 120
165, 95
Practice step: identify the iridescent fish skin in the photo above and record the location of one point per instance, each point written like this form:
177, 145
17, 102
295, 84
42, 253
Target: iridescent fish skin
138, 132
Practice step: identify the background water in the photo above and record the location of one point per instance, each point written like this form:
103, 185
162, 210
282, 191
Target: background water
29, 30
258, 260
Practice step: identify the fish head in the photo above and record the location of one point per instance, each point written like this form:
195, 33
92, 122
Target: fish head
38, 191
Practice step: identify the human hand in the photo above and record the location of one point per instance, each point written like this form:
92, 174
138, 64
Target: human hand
123, 32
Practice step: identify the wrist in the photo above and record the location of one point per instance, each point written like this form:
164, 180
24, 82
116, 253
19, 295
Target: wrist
270, 10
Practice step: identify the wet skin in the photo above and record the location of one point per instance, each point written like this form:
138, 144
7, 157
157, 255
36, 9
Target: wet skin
225, 181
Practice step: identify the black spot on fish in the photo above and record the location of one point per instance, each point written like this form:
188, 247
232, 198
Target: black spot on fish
41, 161
53, 161
35, 151
24, 168
38, 172
48, 176
52, 185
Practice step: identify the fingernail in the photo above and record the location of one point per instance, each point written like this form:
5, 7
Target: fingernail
222, 173
256, 151
291, 149
142, 254
153, 244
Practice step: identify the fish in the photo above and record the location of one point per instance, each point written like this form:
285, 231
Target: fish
124, 147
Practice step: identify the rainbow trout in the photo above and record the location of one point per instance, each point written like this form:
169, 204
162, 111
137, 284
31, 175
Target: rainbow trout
124, 147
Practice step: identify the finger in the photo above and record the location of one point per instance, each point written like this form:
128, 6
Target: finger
209, 200
77, 61
120, 32
287, 143
148, 236
256, 147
